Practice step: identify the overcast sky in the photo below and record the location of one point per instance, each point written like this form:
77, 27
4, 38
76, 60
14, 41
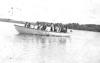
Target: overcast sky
64, 11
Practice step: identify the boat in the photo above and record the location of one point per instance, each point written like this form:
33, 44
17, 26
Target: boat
25, 30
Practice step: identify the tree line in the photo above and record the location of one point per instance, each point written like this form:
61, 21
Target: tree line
88, 27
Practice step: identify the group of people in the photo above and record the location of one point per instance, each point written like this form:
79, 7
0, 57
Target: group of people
52, 27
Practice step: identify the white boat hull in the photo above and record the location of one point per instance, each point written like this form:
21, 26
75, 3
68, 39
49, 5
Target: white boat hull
24, 30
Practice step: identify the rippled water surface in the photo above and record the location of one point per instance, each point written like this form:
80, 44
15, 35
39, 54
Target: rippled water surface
80, 47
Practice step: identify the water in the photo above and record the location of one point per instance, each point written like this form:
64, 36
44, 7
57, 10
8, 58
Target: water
81, 47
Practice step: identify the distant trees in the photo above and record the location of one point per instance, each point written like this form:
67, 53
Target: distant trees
89, 27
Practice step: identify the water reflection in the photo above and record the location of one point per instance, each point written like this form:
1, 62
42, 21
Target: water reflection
47, 49
41, 39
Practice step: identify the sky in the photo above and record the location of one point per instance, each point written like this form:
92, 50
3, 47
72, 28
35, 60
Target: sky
61, 11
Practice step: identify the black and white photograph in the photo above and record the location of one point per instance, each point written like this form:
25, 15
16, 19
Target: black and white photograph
49, 31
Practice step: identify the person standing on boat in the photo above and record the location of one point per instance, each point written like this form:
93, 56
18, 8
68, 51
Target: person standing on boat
48, 28
57, 29
52, 27
40, 26
64, 29
43, 27
36, 26
27, 25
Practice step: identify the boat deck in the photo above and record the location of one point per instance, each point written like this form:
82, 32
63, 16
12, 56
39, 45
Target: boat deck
22, 29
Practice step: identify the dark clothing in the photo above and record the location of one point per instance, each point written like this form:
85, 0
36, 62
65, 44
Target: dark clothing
64, 30
27, 25
43, 28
